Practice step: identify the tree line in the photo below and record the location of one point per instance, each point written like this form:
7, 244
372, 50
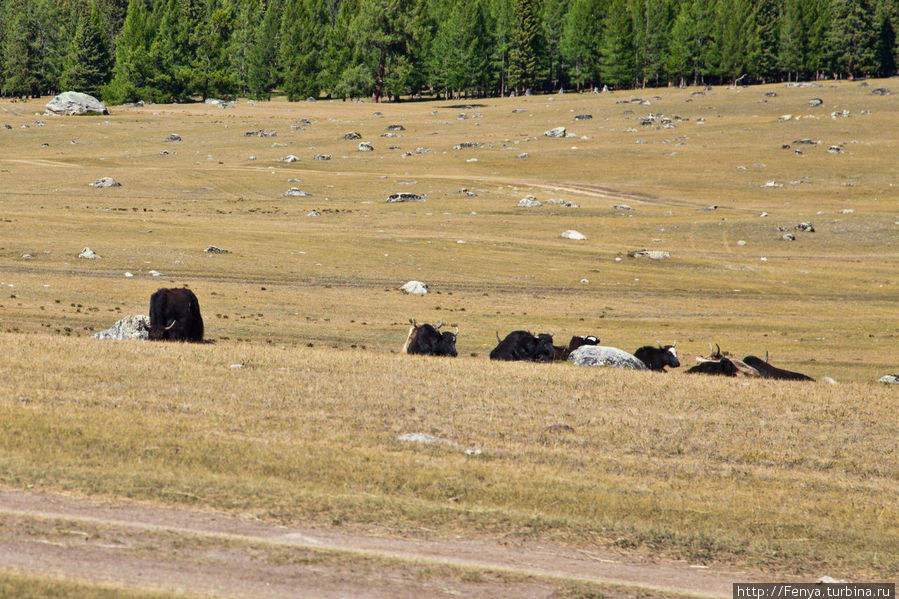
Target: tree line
180, 50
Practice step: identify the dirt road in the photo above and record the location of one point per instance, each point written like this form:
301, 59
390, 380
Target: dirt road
142, 546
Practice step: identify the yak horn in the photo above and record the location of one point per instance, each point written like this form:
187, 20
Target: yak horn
456, 334
674, 344
766, 356
718, 349
497, 337
412, 320
171, 325
439, 324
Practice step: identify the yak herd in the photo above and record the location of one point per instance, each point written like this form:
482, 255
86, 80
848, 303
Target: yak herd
175, 316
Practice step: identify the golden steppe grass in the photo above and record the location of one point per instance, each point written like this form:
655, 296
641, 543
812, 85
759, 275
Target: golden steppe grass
782, 476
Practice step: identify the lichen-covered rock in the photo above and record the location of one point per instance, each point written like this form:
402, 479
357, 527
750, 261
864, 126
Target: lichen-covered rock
105, 182
600, 355
889, 379
555, 132
130, 327
571, 234
404, 196
88, 254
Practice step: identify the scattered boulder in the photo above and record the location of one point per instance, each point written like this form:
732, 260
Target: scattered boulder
556, 132
70, 103
523, 155
622, 207
600, 355
365, 146
571, 234
468, 144
788, 237
583, 117
394, 128
806, 226
404, 196
105, 182
784, 117
215, 250
889, 379
261, 133
835, 150
880, 91
815, 102
173, 137
88, 254
296, 193
651, 254
130, 327
426, 439
529, 202
351, 136
415, 288
290, 158
321, 157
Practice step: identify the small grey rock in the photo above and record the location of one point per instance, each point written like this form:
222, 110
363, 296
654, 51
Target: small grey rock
88, 254
351, 136
215, 250
173, 137
365, 146
889, 379
556, 132
415, 288
105, 182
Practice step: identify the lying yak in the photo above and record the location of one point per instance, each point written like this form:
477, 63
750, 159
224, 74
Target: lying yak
427, 340
657, 358
524, 345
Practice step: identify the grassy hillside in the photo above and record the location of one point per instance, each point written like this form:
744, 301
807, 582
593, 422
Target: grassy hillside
788, 477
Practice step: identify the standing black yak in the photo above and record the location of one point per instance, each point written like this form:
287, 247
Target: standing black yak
175, 316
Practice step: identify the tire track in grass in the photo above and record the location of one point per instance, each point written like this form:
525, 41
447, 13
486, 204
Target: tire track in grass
220, 533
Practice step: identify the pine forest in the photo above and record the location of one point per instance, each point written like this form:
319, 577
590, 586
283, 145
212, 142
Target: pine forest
388, 50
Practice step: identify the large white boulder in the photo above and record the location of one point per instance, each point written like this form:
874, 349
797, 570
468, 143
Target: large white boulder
600, 355
69, 103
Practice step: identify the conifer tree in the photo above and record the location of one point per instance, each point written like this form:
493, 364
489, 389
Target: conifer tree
617, 62
853, 37
581, 41
885, 51
88, 65
526, 50
133, 66
383, 31
21, 56
246, 21
791, 39
263, 67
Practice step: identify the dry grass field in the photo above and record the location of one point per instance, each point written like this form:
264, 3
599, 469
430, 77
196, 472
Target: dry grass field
782, 478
